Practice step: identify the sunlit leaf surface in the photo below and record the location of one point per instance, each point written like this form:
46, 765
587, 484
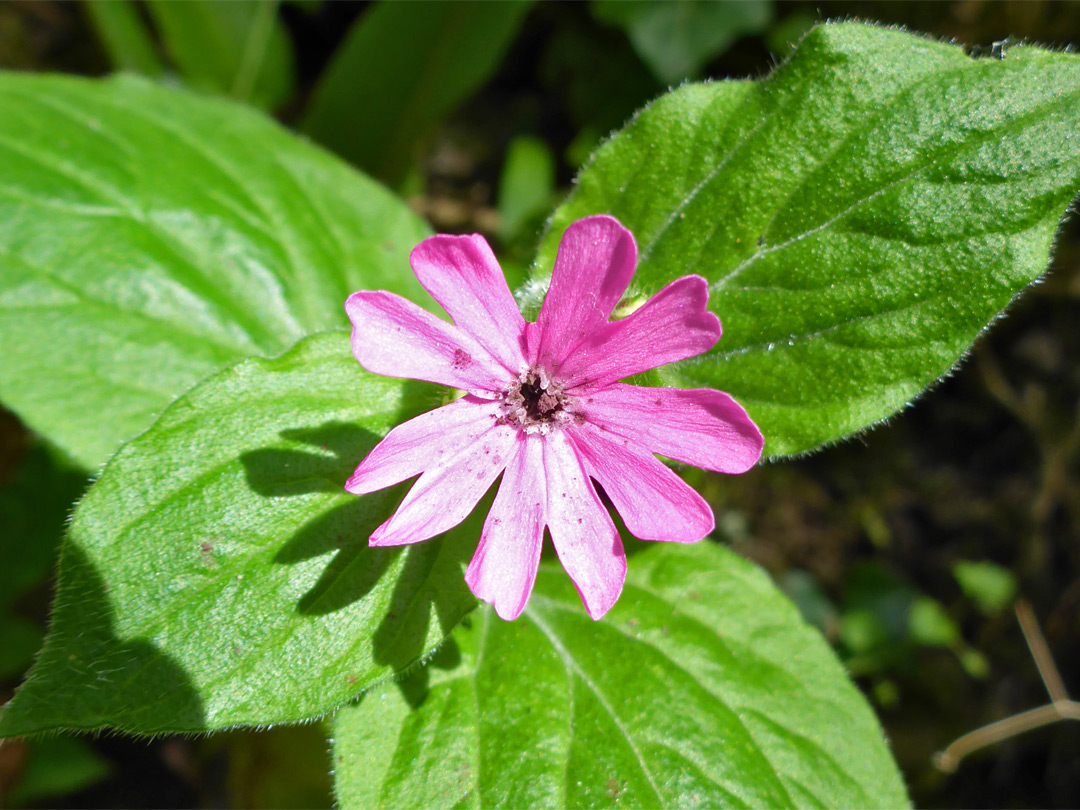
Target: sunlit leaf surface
702, 687
861, 215
148, 237
218, 573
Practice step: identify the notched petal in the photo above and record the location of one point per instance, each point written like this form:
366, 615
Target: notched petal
418, 444
698, 426
655, 504
594, 265
585, 539
448, 490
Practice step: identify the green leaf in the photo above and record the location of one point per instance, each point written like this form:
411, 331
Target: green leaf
55, 767
931, 625
701, 688
125, 36
149, 237
526, 186
991, 587
239, 48
675, 38
861, 215
402, 67
218, 574
34, 508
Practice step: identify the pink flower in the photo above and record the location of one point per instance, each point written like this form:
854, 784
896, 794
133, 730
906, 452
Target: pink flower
544, 408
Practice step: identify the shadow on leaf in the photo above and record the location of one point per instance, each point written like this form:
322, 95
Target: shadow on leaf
414, 686
281, 472
427, 578
86, 678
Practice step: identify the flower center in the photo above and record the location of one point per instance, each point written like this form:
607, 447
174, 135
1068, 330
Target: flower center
536, 403
539, 403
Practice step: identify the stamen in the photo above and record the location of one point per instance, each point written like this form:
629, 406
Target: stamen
536, 403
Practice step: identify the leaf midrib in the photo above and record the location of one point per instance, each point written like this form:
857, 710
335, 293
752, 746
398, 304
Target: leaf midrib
692, 677
197, 282
935, 156
270, 225
572, 669
174, 327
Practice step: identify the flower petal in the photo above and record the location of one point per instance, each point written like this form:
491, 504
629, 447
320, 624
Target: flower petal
413, 446
464, 276
503, 569
394, 337
653, 501
697, 426
448, 491
593, 267
585, 539
672, 325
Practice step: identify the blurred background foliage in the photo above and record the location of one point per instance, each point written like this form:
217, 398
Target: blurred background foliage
907, 547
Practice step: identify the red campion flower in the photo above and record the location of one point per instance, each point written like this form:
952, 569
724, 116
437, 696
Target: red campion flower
544, 408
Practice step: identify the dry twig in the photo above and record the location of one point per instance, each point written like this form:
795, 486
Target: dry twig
1061, 706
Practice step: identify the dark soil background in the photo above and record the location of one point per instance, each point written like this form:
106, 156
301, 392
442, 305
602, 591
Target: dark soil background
985, 467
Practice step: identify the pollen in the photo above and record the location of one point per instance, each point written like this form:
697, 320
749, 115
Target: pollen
536, 403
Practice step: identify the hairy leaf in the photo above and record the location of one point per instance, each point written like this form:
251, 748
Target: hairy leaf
149, 237
702, 687
861, 215
218, 574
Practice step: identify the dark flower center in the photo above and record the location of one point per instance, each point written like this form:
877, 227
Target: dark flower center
539, 403
535, 403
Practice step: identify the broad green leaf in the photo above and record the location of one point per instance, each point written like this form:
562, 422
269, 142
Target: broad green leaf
402, 67
702, 687
238, 48
861, 215
218, 574
149, 237
675, 38
124, 35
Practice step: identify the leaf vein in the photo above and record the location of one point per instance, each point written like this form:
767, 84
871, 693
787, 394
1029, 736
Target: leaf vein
937, 156
572, 666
